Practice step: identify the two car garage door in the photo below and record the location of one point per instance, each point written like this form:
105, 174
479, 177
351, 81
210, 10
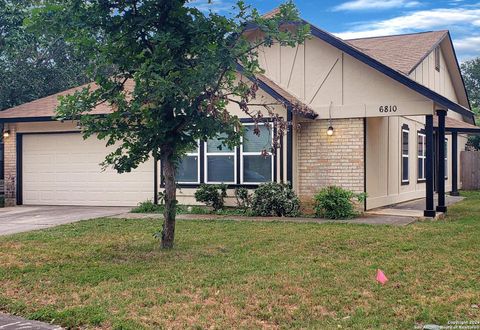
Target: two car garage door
63, 169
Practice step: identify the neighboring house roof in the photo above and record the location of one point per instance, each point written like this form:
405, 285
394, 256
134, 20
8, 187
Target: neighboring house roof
400, 52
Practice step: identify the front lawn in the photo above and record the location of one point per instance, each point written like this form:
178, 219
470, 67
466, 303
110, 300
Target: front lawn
109, 273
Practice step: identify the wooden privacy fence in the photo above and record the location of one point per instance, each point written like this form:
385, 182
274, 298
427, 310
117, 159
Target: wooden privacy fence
470, 170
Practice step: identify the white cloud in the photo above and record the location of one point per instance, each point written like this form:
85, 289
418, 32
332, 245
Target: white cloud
423, 20
376, 4
468, 44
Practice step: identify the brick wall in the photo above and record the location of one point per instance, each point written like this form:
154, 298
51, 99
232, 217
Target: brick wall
330, 160
10, 167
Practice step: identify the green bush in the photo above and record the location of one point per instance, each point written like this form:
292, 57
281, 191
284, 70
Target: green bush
147, 207
275, 199
212, 195
244, 198
336, 203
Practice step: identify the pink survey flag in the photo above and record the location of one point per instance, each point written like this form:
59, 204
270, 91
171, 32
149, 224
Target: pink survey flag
381, 277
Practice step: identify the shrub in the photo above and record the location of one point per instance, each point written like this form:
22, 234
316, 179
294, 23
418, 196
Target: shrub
275, 199
244, 198
212, 195
336, 203
147, 207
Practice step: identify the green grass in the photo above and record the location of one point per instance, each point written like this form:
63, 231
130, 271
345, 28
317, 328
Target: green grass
109, 273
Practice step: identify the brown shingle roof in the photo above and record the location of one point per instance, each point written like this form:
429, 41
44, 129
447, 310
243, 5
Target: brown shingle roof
453, 123
400, 52
45, 107
271, 13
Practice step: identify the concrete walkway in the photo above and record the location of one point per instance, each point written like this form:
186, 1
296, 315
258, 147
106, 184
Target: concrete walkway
367, 220
414, 208
9, 322
25, 218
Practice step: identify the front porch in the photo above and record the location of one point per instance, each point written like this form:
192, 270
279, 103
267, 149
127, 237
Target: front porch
414, 158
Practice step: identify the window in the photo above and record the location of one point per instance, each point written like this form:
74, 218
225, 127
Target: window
437, 58
446, 158
256, 166
188, 170
220, 162
405, 160
422, 156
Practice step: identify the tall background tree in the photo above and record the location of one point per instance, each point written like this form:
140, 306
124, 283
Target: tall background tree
471, 76
175, 72
33, 65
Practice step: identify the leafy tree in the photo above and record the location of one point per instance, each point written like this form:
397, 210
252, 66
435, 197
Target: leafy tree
33, 65
471, 76
175, 73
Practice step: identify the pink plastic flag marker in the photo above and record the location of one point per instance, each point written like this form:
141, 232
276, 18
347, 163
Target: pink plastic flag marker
381, 277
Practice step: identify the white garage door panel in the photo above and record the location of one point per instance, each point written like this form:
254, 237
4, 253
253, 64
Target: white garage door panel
63, 169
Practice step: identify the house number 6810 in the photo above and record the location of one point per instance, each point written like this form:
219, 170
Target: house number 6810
387, 108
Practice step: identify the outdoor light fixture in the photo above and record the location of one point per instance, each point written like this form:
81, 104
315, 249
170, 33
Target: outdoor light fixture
6, 134
330, 131
79, 126
330, 127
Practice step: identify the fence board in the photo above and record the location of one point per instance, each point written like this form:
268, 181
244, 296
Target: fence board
470, 170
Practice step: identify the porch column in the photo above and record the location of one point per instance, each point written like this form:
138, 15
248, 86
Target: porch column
454, 164
429, 168
441, 161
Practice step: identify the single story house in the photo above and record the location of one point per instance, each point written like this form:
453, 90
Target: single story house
389, 116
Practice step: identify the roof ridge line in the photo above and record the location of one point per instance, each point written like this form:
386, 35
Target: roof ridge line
397, 35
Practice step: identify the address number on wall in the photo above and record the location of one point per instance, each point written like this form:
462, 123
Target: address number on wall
387, 108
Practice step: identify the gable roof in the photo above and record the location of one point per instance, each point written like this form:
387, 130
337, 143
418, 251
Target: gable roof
391, 72
409, 52
388, 69
400, 52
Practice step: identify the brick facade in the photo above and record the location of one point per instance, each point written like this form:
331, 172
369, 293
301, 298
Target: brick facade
10, 146
330, 160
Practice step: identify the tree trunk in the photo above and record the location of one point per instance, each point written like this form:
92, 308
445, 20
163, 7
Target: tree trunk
168, 232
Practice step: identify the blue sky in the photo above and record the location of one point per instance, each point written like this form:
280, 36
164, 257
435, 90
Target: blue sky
365, 18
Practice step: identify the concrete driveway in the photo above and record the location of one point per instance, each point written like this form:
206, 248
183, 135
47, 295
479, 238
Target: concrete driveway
25, 218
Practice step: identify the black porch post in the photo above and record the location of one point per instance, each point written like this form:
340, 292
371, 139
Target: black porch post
454, 164
441, 161
430, 207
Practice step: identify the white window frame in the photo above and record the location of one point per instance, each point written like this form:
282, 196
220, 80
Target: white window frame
244, 153
422, 137
230, 153
404, 130
193, 154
